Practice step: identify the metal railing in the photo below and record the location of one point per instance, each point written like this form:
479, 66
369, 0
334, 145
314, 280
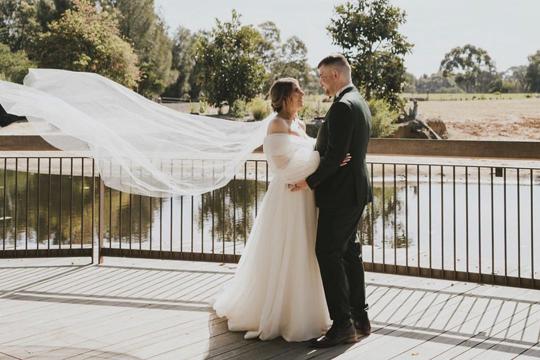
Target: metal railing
464, 221
47, 206
461, 222
212, 227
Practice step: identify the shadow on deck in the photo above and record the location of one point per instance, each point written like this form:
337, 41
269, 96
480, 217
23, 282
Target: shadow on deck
140, 309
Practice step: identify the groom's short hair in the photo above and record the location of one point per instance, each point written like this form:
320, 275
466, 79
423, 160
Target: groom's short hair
336, 60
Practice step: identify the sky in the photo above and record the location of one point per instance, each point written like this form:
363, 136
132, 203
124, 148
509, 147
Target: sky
508, 29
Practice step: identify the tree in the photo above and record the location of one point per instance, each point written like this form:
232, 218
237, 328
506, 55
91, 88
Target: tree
515, 79
269, 47
410, 83
13, 66
290, 61
22, 21
184, 51
87, 39
287, 59
312, 85
232, 68
533, 72
436, 83
368, 33
139, 23
19, 25
471, 67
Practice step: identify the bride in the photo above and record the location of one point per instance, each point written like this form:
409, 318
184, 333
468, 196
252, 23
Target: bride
277, 288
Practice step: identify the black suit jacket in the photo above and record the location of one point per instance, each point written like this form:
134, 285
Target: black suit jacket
346, 129
6, 119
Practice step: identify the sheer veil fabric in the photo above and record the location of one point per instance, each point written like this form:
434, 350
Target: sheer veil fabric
139, 146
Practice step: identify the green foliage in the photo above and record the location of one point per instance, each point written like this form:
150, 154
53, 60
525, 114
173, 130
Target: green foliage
192, 108
139, 23
203, 106
410, 83
471, 67
437, 83
231, 67
86, 39
270, 44
307, 112
313, 107
368, 33
383, 118
311, 85
19, 25
533, 73
13, 66
238, 109
33, 25
184, 51
287, 59
259, 108
515, 79
22, 21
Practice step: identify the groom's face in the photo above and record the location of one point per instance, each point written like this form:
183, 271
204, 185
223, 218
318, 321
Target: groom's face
327, 79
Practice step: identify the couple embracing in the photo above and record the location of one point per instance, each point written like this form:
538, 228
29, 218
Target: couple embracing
301, 275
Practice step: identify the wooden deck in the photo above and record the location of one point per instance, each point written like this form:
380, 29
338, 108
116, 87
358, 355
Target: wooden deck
140, 309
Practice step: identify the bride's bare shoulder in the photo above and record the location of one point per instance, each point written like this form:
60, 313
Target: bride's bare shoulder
278, 126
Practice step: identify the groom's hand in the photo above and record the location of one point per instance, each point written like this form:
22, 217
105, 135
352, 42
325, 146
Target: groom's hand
301, 185
346, 160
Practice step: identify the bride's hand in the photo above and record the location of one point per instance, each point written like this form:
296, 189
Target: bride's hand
346, 160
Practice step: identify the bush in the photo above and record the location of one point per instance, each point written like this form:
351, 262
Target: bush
259, 108
312, 110
203, 106
238, 109
307, 112
13, 65
382, 119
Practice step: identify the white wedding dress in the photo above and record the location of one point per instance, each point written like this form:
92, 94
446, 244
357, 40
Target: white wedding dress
277, 288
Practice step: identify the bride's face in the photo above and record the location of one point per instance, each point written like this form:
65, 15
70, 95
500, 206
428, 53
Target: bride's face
296, 100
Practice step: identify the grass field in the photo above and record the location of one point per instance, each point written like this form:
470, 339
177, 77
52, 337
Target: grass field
467, 116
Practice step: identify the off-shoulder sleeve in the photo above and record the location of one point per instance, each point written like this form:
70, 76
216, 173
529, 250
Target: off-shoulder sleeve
289, 161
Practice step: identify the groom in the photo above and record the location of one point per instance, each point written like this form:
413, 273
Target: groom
341, 194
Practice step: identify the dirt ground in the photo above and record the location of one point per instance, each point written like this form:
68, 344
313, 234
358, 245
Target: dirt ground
486, 119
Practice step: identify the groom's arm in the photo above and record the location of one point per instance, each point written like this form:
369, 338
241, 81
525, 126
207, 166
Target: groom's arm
340, 128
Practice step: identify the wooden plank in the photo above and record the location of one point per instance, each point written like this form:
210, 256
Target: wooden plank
115, 312
501, 310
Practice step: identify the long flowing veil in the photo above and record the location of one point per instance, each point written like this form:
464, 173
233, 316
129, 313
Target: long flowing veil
139, 146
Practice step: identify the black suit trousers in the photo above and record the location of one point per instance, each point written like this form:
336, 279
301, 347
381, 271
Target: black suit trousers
339, 258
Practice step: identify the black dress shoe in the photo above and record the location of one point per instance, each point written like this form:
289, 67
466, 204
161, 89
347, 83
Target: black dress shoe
362, 325
335, 336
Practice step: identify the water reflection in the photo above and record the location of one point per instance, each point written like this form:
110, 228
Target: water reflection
442, 225
45, 211
231, 210
384, 209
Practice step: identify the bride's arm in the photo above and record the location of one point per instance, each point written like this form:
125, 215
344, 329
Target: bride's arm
278, 126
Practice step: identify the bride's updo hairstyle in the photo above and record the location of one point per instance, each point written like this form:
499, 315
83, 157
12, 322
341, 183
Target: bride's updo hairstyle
280, 91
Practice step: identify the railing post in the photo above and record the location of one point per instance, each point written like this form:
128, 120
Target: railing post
101, 219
